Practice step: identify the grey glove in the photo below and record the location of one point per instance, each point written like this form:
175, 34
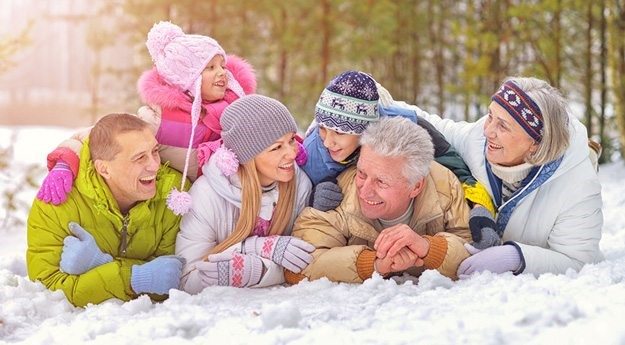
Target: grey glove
483, 228
326, 196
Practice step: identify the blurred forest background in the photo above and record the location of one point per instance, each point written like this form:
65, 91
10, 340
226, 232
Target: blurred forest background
68, 62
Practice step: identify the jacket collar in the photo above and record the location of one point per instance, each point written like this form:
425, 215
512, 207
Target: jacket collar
92, 186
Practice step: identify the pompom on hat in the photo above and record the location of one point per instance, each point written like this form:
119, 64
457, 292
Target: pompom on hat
348, 103
180, 59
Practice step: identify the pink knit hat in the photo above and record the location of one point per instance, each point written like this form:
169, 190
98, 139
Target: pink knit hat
180, 60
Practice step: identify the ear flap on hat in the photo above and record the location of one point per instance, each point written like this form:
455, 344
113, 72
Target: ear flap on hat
179, 201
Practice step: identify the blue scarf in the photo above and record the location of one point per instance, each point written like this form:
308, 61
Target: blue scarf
536, 177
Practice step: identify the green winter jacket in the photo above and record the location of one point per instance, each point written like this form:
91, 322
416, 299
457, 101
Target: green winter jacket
150, 228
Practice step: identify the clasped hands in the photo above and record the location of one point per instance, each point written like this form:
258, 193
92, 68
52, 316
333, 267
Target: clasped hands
399, 248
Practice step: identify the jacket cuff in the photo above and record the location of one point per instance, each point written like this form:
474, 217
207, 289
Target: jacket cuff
365, 264
293, 278
438, 250
518, 249
65, 154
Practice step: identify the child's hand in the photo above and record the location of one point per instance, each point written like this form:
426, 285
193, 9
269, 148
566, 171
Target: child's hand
326, 196
57, 184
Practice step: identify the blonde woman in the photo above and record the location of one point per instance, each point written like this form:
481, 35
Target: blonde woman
237, 232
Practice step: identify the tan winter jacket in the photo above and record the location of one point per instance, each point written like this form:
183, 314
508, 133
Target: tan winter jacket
344, 238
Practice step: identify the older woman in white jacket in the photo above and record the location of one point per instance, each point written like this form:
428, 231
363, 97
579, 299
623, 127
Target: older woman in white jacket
245, 203
532, 156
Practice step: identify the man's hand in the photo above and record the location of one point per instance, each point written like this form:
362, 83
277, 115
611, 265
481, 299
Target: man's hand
392, 240
404, 259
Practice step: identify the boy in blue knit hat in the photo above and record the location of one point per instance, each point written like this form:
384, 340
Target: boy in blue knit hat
347, 105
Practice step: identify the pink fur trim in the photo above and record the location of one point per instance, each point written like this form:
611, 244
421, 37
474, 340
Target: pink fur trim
243, 72
155, 90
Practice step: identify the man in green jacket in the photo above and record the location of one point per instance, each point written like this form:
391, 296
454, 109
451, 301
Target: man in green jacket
114, 236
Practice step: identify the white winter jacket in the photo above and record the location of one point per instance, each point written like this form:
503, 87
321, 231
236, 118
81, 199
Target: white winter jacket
214, 213
557, 225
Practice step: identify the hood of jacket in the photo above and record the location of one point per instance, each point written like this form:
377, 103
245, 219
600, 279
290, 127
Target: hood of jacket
155, 90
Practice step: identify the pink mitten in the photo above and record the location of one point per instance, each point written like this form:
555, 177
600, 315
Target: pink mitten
57, 184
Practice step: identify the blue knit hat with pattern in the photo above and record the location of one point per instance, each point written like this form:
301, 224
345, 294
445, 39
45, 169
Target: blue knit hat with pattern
348, 103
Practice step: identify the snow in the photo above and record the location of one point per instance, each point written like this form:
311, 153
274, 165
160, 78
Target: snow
574, 308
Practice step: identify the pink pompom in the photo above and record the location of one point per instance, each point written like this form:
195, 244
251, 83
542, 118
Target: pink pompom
179, 202
160, 35
302, 156
226, 161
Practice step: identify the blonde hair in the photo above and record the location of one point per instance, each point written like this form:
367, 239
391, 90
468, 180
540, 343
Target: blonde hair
250, 207
555, 113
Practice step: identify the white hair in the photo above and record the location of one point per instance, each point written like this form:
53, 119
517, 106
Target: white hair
555, 137
400, 137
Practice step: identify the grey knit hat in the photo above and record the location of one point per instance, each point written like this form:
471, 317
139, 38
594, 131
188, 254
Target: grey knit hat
252, 123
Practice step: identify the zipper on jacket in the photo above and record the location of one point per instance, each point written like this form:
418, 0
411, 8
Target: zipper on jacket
124, 236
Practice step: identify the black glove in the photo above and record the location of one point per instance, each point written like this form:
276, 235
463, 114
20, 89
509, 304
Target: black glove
326, 196
483, 228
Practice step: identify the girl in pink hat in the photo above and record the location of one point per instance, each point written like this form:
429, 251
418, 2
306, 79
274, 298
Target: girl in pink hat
185, 93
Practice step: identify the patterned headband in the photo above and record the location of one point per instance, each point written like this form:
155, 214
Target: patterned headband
522, 108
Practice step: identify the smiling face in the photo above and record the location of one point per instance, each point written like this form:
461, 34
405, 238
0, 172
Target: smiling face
214, 79
383, 191
276, 163
508, 144
339, 145
131, 174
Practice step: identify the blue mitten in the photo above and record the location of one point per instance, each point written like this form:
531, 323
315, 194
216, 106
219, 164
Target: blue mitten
81, 253
157, 276
483, 228
326, 196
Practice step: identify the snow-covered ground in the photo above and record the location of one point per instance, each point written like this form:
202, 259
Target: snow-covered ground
575, 308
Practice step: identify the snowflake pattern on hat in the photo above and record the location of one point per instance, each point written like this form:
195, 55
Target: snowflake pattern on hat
348, 103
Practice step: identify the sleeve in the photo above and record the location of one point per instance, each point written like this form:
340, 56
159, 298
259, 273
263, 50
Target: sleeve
175, 156
573, 241
456, 210
315, 165
45, 245
302, 196
446, 253
333, 257
456, 133
197, 236
69, 151
152, 115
